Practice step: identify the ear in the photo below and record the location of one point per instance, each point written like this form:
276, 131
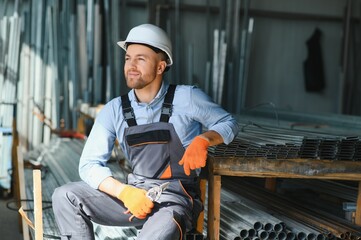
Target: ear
161, 67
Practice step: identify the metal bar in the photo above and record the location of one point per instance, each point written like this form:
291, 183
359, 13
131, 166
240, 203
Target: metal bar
109, 88
207, 78
48, 71
56, 69
90, 49
23, 85
246, 62
82, 50
73, 66
118, 23
97, 68
215, 70
242, 61
38, 73
343, 104
222, 66
177, 29
190, 65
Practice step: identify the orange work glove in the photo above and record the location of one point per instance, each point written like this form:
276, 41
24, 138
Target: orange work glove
136, 201
195, 155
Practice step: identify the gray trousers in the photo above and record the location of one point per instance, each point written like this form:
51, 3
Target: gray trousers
76, 205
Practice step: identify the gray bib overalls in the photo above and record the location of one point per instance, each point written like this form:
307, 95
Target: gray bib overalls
154, 151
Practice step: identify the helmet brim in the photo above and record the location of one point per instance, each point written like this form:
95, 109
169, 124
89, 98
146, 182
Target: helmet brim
123, 44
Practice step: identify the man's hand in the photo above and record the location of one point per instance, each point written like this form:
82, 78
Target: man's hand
136, 201
195, 155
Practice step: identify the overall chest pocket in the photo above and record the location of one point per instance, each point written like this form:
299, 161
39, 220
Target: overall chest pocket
150, 137
149, 152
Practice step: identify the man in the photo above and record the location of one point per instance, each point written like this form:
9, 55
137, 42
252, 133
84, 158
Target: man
154, 124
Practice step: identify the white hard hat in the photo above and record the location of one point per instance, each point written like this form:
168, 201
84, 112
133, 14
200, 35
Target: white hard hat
151, 35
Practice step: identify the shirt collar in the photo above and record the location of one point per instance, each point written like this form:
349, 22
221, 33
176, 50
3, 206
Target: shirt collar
160, 95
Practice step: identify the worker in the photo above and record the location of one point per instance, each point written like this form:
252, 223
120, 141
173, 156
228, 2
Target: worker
159, 127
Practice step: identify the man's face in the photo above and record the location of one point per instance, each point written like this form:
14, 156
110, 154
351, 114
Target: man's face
141, 66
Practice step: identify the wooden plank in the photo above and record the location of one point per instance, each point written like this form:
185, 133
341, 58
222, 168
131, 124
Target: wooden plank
38, 209
15, 165
287, 168
200, 220
358, 206
214, 203
214, 210
20, 167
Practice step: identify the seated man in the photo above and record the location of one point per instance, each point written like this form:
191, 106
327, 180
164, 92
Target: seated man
159, 128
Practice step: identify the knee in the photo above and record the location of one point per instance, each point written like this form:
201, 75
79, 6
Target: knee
60, 196
59, 193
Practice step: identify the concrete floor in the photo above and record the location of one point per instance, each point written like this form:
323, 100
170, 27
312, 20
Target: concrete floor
9, 222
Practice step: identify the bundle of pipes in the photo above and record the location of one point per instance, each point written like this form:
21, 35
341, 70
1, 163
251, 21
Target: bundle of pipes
242, 218
280, 231
303, 221
279, 143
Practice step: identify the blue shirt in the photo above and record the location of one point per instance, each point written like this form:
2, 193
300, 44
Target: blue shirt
192, 110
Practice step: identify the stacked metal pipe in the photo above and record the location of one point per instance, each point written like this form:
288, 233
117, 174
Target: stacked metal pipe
55, 61
280, 231
302, 220
278, 143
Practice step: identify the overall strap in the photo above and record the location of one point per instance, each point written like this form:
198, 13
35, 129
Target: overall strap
128, 112
167, 104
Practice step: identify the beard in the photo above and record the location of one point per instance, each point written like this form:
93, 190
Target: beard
140, 81
133, 83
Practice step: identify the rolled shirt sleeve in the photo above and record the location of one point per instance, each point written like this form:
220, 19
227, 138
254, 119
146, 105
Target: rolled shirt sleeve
213, 116
96, 152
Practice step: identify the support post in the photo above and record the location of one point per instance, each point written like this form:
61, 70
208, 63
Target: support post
214, 202
358, 206
38, 210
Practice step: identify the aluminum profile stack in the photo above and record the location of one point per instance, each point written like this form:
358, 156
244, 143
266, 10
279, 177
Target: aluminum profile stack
10, 29
279, 143
5, 157
9, 61
52, 60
